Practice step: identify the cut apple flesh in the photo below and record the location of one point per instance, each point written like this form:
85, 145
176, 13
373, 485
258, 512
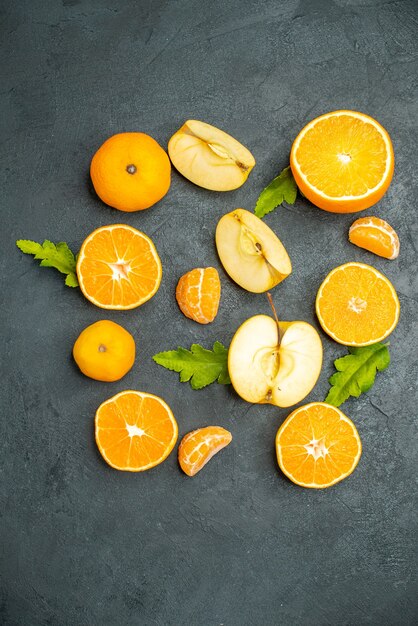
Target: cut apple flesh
262, 371
209, 157
251, 253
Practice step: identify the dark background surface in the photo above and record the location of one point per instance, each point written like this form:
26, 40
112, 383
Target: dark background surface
238, 544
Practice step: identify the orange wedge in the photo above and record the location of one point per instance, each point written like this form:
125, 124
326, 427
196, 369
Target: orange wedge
199, 446
118, 267
198, 293
356, 305
317, 446
135, 431
343, 161
375, 235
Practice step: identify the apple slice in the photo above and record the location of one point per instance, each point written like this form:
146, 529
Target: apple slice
250, 252
209, 157
267, 369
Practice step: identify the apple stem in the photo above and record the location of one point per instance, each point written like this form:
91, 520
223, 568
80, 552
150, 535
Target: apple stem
273, 308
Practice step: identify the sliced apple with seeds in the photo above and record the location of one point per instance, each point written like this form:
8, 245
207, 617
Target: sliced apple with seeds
251, 253
209, 157
274, 363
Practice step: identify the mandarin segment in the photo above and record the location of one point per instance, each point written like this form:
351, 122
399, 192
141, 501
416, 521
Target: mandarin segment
356, 305
118, 267
198, 293
135, 431
317, 446
199, 446
343, 161
375, 235
130, 172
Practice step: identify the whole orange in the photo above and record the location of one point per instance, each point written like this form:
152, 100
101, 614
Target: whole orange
104, 351
130, 172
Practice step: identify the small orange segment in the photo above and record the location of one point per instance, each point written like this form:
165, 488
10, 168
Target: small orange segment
356, 305
135, 431
130, 172
317, 446
375, 235
198, 293
199, 446
104, 351
118, 267
343, 161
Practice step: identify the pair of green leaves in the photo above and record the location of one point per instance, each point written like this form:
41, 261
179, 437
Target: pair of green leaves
356, 372
54, 255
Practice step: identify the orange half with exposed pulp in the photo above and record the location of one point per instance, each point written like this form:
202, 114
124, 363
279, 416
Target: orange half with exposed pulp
118, 267
135, 431
317, 446
357, 305
343, 161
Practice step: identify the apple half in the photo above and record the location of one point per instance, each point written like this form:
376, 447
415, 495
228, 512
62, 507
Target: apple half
209, 157
267, 369
250, 252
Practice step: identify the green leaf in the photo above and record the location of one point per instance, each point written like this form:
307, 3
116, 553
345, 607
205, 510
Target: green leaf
356, 372
28, 247
71, 280
281, 189
57, 255
199, 366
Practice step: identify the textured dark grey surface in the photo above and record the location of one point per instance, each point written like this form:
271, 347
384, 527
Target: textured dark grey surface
238, 544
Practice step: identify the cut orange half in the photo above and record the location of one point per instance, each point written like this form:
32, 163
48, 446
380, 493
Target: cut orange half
135, 431
343, 161
356, 305
317, 446
118, 267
